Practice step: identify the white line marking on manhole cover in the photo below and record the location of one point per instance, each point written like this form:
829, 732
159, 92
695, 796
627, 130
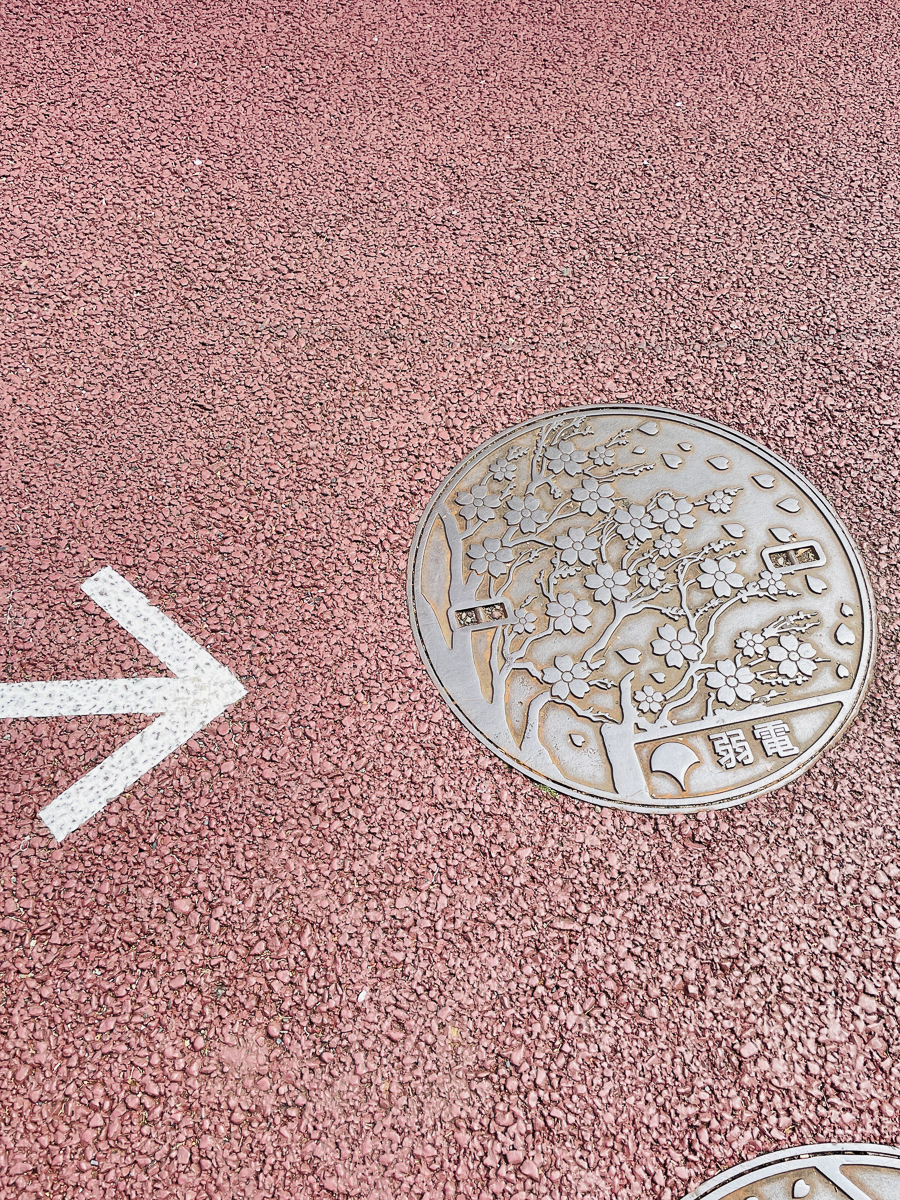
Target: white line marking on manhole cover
201, 692
634, 635
833, 1172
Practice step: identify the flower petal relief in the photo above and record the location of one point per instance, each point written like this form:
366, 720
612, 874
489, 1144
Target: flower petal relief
594, 496
667, 545
503, 471
490, 556
525, 511
565, 457
719, 501
651, 576
649, 700
674, 515
675, 645
751, 643
525, 620
771, 583
730, 682
566, 676
478, 503
720, 575
602, 456
796, 659
608, 583
636, 523
577, 546
567, 612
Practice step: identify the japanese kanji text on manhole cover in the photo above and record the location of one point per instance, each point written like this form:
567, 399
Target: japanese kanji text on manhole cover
641, 608
837, 1172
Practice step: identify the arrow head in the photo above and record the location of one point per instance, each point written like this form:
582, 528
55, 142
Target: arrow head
204, 689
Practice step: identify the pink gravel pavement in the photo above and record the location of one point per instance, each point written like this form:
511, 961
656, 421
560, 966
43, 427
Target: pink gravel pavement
268, 273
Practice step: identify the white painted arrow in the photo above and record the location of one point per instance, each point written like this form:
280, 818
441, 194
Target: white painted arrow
201, 692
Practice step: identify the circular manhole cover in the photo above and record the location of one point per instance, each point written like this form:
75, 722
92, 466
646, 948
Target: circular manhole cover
839, 1172
641, 608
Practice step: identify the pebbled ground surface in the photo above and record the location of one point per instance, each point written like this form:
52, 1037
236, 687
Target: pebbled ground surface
267, 274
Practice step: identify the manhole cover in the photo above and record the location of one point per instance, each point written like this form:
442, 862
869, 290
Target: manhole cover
814, 1172
641, 608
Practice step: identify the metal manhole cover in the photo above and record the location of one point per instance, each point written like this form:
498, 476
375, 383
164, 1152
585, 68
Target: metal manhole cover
641, 608
837, 1172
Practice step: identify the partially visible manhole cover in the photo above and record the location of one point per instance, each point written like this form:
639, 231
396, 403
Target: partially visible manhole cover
838, 1172
641, 608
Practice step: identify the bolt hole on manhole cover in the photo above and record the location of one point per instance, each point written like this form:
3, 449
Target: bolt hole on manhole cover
641, 608
832, 1172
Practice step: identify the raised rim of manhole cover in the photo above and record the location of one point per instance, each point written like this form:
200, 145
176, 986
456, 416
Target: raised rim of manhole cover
859, 1171
641, 608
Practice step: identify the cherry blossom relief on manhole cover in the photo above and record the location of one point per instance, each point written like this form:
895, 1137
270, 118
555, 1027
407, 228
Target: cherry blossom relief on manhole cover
641, 608
834, 1172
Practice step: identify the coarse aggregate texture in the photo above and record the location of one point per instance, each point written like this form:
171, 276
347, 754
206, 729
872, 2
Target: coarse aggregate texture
268, 272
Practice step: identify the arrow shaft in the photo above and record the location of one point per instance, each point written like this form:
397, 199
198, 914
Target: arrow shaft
88, 697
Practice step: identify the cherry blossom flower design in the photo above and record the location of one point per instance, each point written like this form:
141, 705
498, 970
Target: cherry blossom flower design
751, 643
667, 546
594, 495
567, 612
649, 700
602, 456
636, 523
730, 682
478, 503
490, 556
651, 576
565, 457
719, 501
577, 545
675, 645
567, 676
608, 583
619, 545
720, 576
525, 512
674, 515
525, 621
503, 471
795, 658
771, 583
